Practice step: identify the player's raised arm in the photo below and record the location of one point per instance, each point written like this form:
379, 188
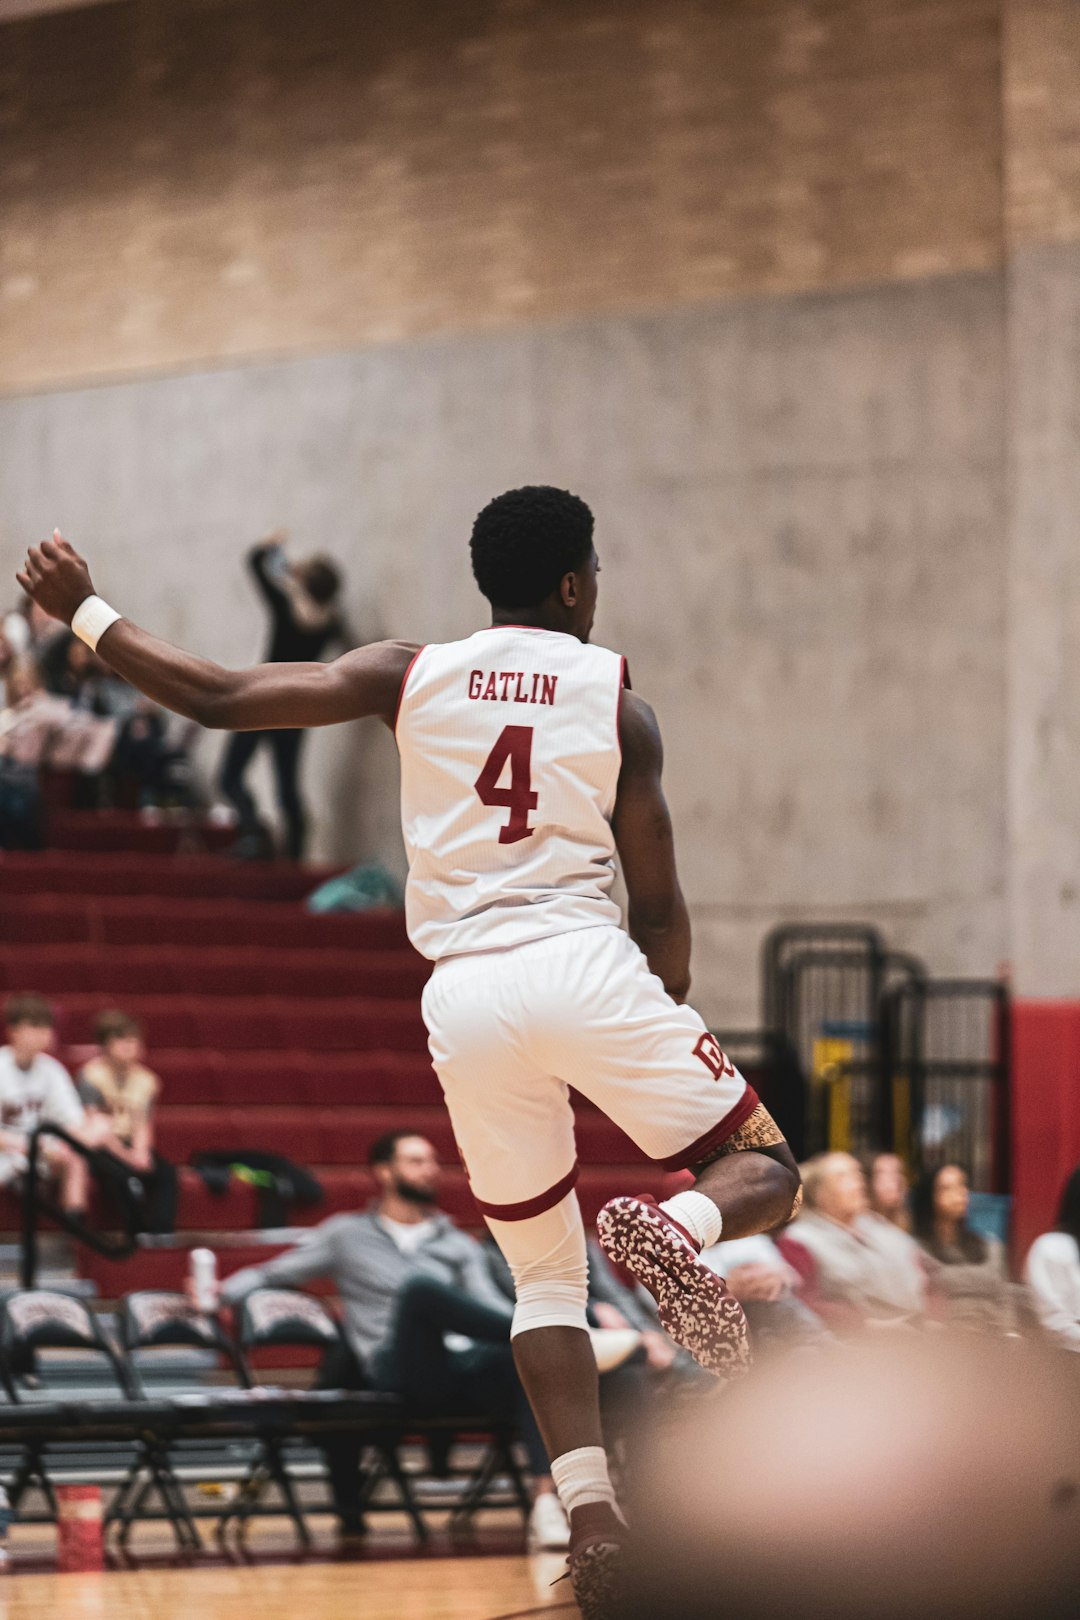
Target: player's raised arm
658, 919
360, 683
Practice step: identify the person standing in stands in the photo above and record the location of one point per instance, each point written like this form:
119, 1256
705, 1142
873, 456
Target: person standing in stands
305, 620
118, 1092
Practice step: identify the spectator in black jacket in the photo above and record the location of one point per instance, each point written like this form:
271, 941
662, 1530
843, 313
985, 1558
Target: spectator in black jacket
305, 619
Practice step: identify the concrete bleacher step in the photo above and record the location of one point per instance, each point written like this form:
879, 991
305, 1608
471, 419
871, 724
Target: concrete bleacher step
272, 1028
130, 917
250, 1023
344, 1133
135, 832
210, 970
208, 877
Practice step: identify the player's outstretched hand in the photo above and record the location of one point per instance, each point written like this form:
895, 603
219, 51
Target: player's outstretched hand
56, 577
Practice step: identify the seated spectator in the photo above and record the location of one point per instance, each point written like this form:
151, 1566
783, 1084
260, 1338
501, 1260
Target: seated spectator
37, 728
888, 1188
766, 1287
857, 1270
146, 762
35, 1090
422, 1318
21, 821
118, 1093
1052, 1271
966, 1269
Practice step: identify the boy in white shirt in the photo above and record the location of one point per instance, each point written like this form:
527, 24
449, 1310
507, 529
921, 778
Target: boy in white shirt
35, 1088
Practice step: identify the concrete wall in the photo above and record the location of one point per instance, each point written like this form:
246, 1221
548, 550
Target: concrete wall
799, 507
1042, 195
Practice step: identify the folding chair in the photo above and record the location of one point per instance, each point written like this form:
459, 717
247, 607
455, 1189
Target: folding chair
282, 1317
149, 1319
41, 1319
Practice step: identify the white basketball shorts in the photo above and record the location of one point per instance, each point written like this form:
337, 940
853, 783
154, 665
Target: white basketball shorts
511, 1030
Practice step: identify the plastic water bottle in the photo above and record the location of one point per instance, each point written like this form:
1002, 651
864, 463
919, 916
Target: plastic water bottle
7, 1514
204, 1279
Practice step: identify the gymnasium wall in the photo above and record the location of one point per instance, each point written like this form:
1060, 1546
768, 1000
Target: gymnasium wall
780, 287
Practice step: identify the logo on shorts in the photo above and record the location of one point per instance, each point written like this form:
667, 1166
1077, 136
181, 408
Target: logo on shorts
717, 1062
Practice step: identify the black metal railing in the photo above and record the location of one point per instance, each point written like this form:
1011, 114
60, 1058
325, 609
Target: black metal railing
37, 1201
947, 1066
883, 1055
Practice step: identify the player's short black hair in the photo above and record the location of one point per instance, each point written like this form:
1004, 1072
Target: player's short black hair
523, 543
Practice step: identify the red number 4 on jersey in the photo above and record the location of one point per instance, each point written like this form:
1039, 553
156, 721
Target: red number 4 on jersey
514, 744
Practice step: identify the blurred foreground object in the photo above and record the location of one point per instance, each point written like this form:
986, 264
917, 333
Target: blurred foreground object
907, 1478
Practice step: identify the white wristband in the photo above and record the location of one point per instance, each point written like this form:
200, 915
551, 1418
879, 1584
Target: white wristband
92, 618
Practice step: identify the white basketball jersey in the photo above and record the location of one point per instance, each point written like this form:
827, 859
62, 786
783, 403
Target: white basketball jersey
510, 760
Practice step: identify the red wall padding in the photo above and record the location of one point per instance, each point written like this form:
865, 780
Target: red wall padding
1046, 1112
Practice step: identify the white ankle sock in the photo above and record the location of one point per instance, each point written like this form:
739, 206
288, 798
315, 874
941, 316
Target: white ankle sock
698, 1214
582, 1476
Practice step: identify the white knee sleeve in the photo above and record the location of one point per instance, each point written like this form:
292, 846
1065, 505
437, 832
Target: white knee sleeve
546, 1254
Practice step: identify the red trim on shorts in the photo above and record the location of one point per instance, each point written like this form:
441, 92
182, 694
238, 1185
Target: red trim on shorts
716, 1137
530, 1206
401, 688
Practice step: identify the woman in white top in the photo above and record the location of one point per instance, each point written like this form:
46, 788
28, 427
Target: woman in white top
1052, 1271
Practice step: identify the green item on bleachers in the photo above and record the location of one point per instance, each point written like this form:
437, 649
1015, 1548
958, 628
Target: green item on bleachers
363, 888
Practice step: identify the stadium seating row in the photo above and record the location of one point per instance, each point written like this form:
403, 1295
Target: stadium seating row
109, 831
326, 1024
322, 1079
340, 1135
193, 970
207, 877
135, 920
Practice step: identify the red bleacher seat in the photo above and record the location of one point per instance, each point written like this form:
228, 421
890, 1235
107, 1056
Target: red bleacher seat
270, 1026
130, 920
206, 877
325, 1078
127, 831
252, 1022
344, 1135
209, 971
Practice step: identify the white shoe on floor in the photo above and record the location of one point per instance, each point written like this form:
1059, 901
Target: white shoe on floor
613, 1346
549, 1528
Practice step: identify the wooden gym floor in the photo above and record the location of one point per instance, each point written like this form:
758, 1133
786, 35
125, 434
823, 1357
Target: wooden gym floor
383, 1583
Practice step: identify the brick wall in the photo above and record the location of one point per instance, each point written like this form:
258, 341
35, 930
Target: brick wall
187, 181
1042, 121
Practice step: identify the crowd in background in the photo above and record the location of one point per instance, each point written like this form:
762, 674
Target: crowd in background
65, 711
427, 1308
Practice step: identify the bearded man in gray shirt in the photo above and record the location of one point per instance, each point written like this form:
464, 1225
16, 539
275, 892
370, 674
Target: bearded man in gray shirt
422, 1316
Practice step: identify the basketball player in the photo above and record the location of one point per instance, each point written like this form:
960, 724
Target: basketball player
526, 764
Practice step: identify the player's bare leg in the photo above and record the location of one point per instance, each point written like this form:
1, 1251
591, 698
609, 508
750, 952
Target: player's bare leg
752, 1185
557, 1367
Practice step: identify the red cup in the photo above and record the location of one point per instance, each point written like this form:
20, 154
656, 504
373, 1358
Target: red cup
80, 1541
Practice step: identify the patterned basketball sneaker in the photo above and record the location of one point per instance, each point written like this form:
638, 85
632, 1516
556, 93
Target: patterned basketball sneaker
597, 1570
694, 1303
